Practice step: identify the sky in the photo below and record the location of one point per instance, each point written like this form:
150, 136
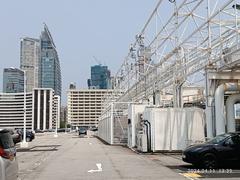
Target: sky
80, 29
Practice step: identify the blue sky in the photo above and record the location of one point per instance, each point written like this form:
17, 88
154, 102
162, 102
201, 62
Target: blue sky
81, 29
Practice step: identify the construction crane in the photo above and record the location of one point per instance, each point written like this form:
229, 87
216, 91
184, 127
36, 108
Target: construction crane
97, 61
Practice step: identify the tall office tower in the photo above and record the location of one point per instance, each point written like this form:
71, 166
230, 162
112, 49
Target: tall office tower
29, 59
100, 78
13, 80
49, 66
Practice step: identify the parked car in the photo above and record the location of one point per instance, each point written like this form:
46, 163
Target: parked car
221, 150
51, 130
8, 160
15, 135
16, 138
61, 130
94, 129
29, 134
39, 131
82, 130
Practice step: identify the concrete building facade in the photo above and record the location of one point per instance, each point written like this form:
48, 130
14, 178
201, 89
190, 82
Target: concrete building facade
13, 80
29, 61
85, 106
42, 109
56, 112
43, 112
63, 115
12, 110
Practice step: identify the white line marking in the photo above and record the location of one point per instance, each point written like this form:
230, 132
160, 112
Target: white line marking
99, 166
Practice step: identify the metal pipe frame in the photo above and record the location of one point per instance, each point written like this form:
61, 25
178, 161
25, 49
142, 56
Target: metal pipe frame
203, 30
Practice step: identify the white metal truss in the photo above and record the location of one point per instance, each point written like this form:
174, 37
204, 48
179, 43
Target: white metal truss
179, 40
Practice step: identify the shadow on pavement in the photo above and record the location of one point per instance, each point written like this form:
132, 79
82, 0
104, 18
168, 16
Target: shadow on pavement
39, 148
80, 136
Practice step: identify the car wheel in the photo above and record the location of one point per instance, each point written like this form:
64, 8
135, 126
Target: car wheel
28, 139
209, 161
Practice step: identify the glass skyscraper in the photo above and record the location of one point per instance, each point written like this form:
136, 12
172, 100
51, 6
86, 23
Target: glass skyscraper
49, 66
13, 80
100, 77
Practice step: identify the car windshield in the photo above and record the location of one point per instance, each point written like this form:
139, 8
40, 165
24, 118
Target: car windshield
6, 140
218, 139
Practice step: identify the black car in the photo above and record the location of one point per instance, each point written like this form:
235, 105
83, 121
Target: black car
82, 130
61, 130
29, 134
221, 150
39, 131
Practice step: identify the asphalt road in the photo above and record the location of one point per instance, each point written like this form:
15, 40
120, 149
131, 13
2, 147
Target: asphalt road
69, 157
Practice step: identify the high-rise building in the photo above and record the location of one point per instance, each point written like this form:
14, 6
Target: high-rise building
43, 112
29, 60
72, 86
13, 80
63, 116
100, 78
49, 65
85, 106
57, 112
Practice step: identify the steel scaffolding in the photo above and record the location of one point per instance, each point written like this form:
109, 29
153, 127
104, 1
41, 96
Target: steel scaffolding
180, 39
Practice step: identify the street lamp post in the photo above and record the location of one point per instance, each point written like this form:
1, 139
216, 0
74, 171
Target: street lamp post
24, 143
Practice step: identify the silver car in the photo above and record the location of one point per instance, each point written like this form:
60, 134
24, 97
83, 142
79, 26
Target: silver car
8, 160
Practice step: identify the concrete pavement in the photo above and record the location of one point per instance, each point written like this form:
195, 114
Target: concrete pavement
69, 157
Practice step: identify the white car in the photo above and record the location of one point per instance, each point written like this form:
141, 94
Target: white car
8, 160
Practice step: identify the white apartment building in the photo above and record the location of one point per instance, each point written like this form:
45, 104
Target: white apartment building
42, 109
12, 110
56, 111
85, 106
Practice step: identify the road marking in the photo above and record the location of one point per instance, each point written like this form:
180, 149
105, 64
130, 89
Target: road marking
99, 166
191, 175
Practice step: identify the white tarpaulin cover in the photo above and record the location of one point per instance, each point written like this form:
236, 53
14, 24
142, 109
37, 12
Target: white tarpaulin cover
175, 128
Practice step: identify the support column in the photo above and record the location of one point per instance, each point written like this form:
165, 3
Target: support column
177, 95
33, 109
111, 124
38, 114
44, 109
209, 96
50, 108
